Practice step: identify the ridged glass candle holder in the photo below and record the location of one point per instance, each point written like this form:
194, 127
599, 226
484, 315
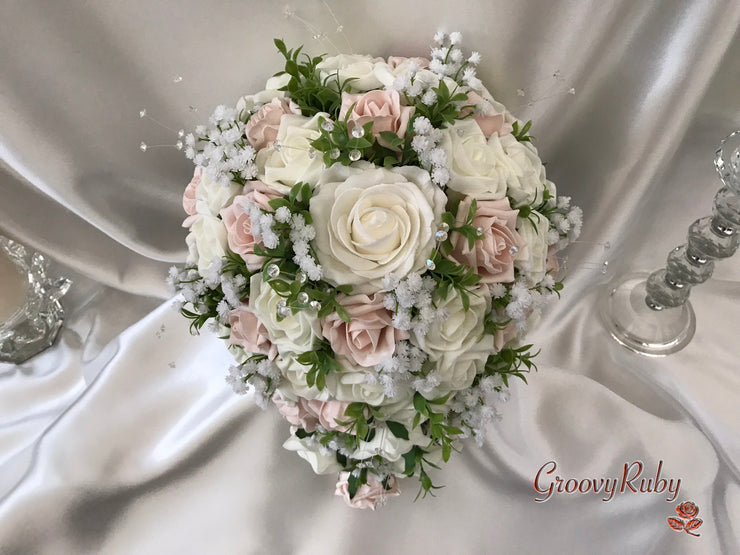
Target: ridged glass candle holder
651, 313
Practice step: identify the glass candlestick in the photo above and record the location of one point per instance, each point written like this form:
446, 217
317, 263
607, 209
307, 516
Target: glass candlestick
30, 312
651, 313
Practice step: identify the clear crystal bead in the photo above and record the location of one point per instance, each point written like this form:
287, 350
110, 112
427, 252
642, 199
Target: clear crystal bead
178, 145
181, 133
273, 271
277, 146
441, 235
688, 270
315, 305
358, 132
283, 311
301, 277
712, 239
513, 250
664, 294
303, 297
479, 231
727, 161
327, 125
727, 205
444, 226
430, 264
354, 155
142, 146
142, 113
334, 153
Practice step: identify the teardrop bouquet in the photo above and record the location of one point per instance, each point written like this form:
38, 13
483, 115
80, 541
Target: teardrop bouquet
372, 238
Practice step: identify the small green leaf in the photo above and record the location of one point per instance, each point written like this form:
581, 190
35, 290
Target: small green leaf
397, 429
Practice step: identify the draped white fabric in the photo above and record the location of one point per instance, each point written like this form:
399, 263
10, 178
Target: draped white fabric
124, 438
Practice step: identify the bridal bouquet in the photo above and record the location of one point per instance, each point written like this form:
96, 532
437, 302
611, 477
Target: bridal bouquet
372, 238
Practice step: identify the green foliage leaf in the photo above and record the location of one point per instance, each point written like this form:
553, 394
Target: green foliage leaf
397, 429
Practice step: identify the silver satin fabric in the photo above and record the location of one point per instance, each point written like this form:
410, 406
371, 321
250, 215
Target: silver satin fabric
124, 438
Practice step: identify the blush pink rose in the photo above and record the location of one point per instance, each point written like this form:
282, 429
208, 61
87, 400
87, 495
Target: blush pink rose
328, 413
383, 108
395, 61
369, 337
491, 256
367, 496
491, 122
262, 128
250, 333
239, 225
188, 198
309, 413
295, 413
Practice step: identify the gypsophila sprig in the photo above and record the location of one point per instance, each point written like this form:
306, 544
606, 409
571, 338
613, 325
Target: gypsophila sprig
372, 239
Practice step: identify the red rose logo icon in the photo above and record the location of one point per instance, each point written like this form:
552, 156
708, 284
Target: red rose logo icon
687, 510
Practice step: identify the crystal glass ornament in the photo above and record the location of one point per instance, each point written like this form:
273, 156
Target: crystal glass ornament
33, 326
651, 313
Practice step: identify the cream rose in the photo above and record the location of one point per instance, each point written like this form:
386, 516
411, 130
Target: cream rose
456, 370
296, 333
321, 464
532, 259
369, 337
369, 495
295, 385
358, 67
378, 221
249, 104
293, 160
460, 330
206, 241
211, 196
476, 169
527, 182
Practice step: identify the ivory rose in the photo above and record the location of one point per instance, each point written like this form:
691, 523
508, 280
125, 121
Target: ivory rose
367, 496
262, 128
246, 105
359, 68
378, 221
293, 160
369, 337
239, 224
248, 332
206, 241
460, 330
312, 454
532, 258
491, 256
527, 183
457, 370
475, 168
296, 333
383, 108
